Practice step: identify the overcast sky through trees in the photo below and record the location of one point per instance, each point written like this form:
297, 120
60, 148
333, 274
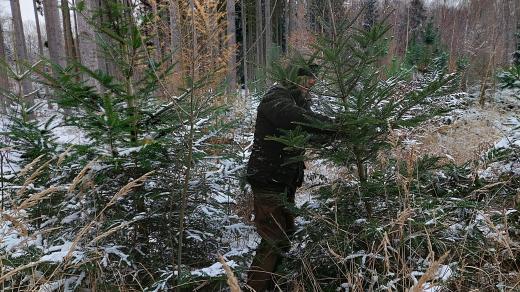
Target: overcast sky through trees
26, 7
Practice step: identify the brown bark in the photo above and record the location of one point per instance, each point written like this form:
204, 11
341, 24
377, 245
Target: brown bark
87, 45
38, 30
244, 42
175, 34
231, 44
19, 42
54, 32
298, 32
70, 49
259, 34
156, 37
4, 80
268, 33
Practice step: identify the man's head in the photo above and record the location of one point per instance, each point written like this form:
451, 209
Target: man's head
307, 77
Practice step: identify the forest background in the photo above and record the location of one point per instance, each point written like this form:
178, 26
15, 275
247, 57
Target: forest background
126, 126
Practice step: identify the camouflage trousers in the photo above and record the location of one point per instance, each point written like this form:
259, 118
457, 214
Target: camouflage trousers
274, 222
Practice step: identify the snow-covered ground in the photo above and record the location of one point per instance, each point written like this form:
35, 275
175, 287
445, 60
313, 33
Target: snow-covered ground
468, 132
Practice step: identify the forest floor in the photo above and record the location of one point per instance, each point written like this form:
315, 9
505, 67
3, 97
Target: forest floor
462, 136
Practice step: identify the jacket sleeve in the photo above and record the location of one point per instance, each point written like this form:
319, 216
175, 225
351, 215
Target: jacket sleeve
284, 113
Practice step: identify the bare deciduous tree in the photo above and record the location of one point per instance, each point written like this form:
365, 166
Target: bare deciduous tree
70, 48
4, 80
87, 45
38, 30
19, 41
259, 34
231, 43
54, 32
268, 32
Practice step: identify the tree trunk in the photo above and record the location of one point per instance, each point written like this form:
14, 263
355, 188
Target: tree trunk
4, 80
250, 45
70, 49
87, 45
231, 44
105, 62
259, 34
54, 32
19, 42
288, 23
38, 30
175, 34
76, 33
268, 33
244, 42
156, 37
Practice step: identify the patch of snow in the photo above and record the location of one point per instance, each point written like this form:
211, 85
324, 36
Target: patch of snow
115, 251
59, 252
444, 273
71, 218
130, 150
214, 270
431, 222
237, 252
361, 221
222, 198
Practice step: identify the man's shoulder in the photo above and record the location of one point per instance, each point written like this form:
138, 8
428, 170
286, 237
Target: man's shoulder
276, 92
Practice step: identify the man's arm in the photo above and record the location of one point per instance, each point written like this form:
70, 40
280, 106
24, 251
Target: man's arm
284, 113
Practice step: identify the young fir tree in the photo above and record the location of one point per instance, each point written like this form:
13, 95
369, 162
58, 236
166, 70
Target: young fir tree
371, 13
132, 191
367, 105
510, 77
424, 47
365, 102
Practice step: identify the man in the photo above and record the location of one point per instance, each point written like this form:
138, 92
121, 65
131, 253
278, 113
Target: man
273, 177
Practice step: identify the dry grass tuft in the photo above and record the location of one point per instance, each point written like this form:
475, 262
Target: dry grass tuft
429, 275
231, 279
34, 199
465, 139
80, 175
32, 178
16, 223
121, 193
29, 166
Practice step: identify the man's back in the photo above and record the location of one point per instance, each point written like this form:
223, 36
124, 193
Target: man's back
280, 109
